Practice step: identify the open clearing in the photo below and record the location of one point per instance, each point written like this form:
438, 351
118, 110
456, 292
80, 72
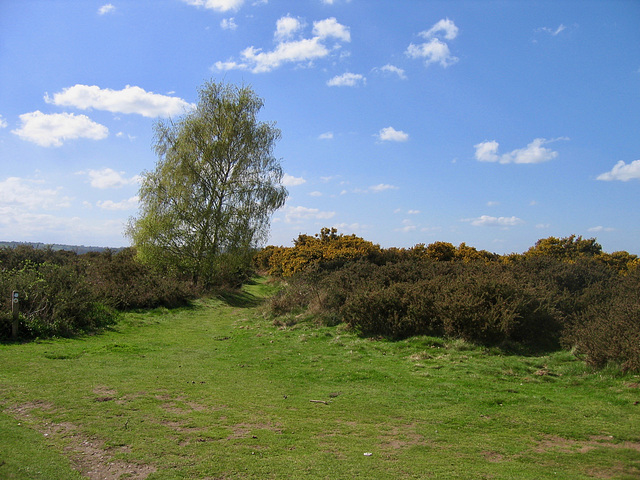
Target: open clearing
217, 391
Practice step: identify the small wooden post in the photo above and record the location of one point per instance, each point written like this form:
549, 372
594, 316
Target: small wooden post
15, 311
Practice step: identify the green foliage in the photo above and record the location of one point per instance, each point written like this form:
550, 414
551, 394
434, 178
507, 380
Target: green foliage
609, 331
574, 296
567, 248
215, 185
121, 281
54, 300
62, 293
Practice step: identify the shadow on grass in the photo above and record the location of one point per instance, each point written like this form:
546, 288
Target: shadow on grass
240, 299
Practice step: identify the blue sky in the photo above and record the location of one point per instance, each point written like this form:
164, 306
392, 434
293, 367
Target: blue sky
494, 123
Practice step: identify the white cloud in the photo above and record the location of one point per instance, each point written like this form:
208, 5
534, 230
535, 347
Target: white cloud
108, 8
622, 171
291, 181
219, 5
128, 204
326, 136
299, 51
406, 229
296, 214
435, 50
382, 187
532, 153
347, 80
286, 27
302, 51
492, 203
315, 194
551, 31
3, 122
109, 178
600, 228
51, 130
30, 194
489, 221
390, 134
228, 24
445, 25
128, 100
413, 212
393, 69
330, 28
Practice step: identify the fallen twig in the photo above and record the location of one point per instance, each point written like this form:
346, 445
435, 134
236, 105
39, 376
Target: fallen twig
319, 401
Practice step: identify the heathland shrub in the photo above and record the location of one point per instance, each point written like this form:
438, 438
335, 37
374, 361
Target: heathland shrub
399, 310
121, 281
527, 299
62, 293
54, 300
609, 331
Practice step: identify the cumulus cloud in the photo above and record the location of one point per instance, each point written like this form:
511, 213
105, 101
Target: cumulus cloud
330, 28
30, 194
296, 214
532, 153
326, 136
218, 5
622, 171
434, 49
489, 221
392, 69
228, 24
291, 181
390, 134
109, 178
128, 100
128, 204
51, 130
3, 122
286, 27
301, 51
445, 26
347, 80
104, 9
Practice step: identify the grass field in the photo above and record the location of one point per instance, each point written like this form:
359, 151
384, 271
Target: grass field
217, 391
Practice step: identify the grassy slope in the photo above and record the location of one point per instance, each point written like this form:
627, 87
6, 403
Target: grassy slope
216, 391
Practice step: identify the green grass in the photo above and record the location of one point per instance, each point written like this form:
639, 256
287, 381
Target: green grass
217, 391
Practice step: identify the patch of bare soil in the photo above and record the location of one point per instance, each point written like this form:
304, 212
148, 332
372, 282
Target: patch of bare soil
242, 430
88, 455
493, 457
565, 445
401, 437
616, 471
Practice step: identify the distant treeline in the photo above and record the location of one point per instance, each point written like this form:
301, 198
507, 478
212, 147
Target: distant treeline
79, 249
561, 293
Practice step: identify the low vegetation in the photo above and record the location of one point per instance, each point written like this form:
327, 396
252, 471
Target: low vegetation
561, 293
63, 293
